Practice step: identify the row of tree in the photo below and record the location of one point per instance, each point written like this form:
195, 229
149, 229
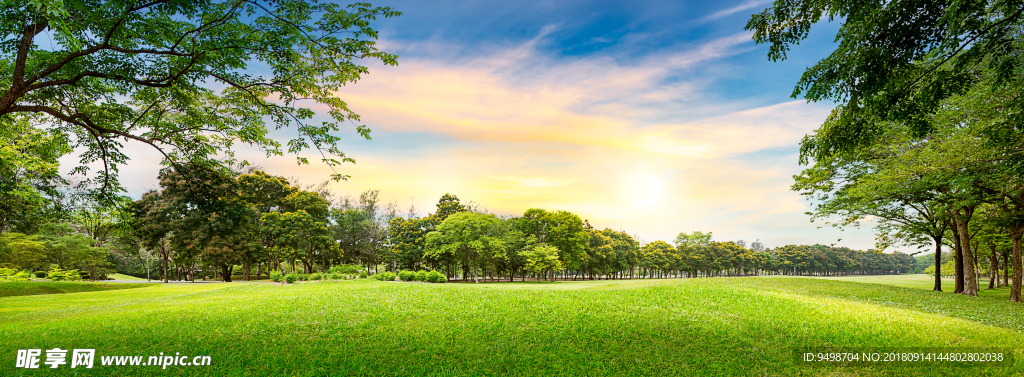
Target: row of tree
202, 224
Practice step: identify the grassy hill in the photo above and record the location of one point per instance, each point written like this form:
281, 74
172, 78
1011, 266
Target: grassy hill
30, 288
721, 326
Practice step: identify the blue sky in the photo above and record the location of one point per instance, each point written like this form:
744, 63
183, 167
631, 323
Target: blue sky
654, 117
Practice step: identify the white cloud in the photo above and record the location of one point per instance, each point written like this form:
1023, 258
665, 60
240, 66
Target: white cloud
739, 8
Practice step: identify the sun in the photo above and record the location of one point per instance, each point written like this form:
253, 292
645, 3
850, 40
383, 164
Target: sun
644, 191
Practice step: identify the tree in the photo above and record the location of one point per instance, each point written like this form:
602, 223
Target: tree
62, 243
266, 194
448, 205
298, 235
93, 259
29, 175
561, 229
152, 223
516, 242
693, 239
601, 255
348, 231
474, 239
177, 75
408, 239
895, 62
541, 259
659, 256
627, 255
264, 191
20, 251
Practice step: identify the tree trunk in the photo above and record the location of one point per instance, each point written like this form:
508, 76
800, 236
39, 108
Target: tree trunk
472, 270
938, 263
1016, 231
993, 271
970, 268
1006, 268
163, 267
958, 259
225, 271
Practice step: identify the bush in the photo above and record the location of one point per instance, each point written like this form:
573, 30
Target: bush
315, 276
421, 275
10, 274
362, 274
276, 276
336, 276
40, 274
290, 278
303, 277
387, 276
56, 274
406, 275
436, 277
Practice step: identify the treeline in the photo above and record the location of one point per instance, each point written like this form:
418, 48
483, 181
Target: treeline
248, 224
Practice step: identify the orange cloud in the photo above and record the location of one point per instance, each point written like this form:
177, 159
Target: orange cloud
588, 135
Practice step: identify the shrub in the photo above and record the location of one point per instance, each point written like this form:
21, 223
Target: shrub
421, 275
314, 276
10, 274
406, 275
57, 274
303, 277
276, 276
387, 276
40, 274
362, 274
335, 276
290, 278
436, 277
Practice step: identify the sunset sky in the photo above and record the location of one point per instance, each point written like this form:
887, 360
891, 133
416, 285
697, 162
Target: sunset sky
654, 117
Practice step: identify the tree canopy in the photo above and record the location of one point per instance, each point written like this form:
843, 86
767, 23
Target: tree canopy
188, 78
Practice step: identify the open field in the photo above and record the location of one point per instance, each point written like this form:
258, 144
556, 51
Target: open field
720, 326
31, 288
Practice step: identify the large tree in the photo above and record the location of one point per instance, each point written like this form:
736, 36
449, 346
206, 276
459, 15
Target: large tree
561, 229
472, 238
189, 78
896, 61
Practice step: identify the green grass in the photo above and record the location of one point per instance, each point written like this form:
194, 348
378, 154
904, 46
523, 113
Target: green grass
720, 326
30, 288
922, 281
123, 277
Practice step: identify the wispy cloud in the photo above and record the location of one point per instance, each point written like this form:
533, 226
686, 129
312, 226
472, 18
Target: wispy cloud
739, 8
628, 144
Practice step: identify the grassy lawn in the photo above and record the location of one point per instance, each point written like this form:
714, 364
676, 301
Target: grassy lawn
923, 281
123, 277
720, 326
31, 288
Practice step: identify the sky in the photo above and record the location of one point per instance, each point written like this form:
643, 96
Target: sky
654, 117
